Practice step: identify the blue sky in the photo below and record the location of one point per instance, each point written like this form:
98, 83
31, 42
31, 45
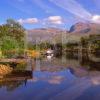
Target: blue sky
50, 13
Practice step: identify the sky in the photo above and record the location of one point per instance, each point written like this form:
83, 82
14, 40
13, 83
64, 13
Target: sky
50, 13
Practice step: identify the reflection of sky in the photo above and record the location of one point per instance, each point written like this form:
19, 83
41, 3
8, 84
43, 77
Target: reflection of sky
42, 83
65, 86
53, 77
56, 86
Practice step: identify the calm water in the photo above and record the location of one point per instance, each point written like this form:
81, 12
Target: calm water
67, 77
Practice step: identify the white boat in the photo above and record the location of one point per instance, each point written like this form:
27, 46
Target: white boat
50, 53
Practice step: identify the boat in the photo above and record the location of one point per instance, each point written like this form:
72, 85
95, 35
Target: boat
50, 53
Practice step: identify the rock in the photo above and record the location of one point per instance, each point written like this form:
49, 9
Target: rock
5, 69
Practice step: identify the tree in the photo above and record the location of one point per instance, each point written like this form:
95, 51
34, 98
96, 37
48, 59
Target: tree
84, 41
14, 24
9, 33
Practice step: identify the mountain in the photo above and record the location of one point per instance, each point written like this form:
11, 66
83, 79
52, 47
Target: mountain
77, 31
80, 29
44, 34
85, 28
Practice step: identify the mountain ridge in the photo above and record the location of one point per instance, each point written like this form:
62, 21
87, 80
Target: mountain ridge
76, 31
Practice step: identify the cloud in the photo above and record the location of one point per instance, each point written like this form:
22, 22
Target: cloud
51, 20
96, 19
55, 20
28, 21
56, 79
77, 9
73, 7
43, 5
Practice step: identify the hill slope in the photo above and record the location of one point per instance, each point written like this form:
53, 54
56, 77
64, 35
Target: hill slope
77, 31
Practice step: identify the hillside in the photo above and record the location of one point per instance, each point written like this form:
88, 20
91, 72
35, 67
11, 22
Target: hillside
44, 34
85, 28
77, 31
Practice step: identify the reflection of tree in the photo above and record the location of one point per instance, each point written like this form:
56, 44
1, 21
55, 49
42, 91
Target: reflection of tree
94, 65
15, 79
72, 55
96, 55
85, 60
11, 85
88, 63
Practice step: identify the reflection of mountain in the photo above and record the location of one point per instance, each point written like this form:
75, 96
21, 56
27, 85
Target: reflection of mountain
70, 60
15, 79
55, 64
76, 31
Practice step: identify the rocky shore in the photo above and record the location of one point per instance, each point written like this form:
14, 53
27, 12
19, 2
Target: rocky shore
5, 69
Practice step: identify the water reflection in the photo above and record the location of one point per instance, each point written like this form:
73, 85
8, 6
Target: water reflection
55, 78
14, 79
